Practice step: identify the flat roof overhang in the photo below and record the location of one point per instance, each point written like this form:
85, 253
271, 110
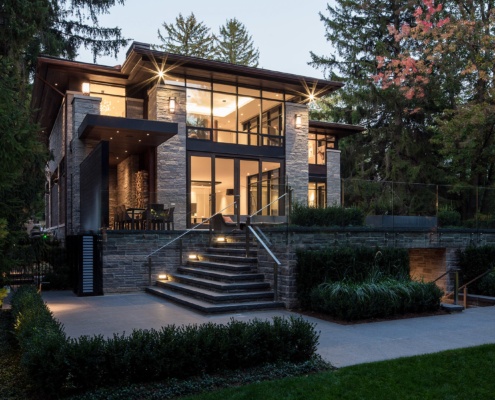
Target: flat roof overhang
126, 136
55, 76
333, 128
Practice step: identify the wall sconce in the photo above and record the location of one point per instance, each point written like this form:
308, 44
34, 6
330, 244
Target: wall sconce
171, 105
86, 88
298, 121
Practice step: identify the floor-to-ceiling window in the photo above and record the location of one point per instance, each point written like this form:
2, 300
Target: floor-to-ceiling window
234, 186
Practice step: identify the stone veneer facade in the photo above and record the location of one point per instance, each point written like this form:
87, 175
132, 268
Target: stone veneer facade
171, 155
296, 151
78, 150
334, 194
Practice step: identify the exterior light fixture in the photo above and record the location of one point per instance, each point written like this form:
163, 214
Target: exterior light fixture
162, 276
221, 239
193, 256
85, 88
171, 105
298, 121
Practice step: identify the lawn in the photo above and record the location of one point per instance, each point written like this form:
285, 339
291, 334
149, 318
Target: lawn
456, 374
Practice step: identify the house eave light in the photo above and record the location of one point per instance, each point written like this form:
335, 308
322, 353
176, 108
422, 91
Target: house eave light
85, 88
298, 122
171, 105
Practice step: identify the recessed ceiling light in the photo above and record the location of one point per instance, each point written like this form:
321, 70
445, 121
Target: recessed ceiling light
118, 131
139, 140
111, 138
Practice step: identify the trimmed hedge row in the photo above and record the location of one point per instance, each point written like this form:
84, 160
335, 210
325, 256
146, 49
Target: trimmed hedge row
330, 216
473, 261
353, 301
53, 362
355, 264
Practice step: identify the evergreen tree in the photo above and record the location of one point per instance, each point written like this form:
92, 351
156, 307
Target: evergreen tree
235, 45
396, 146
56, 27
188, 37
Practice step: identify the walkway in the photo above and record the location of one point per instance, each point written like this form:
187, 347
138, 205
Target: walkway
341, 345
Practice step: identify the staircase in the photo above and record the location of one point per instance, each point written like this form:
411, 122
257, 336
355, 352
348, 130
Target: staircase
220, 280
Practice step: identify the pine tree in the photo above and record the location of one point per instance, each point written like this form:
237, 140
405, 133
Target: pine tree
235, 45
188, 37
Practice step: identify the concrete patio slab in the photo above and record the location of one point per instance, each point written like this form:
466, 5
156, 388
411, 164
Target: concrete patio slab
341, 345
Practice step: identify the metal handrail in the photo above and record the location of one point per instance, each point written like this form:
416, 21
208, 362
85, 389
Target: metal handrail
464, 287
268, 205
264, 245
190, 230
445, 273
249, 228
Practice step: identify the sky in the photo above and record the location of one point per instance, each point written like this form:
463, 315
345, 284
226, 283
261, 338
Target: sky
285, 31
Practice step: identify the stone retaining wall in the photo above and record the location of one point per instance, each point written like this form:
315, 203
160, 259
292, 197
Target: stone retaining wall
126, 268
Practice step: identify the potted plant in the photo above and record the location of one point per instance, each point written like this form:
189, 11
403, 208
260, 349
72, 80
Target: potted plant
3, 294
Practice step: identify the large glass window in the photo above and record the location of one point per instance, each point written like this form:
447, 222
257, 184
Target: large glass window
112, 99
317, 194
317, 147
237, 115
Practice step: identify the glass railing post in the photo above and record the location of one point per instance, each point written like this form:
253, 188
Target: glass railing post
248, 224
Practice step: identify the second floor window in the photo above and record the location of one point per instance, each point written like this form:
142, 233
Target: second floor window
229, 114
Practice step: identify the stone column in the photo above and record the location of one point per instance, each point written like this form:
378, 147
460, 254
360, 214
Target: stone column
81, 106
296, 151
171, 155
334, 193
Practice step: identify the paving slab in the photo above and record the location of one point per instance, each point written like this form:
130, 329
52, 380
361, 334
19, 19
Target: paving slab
341, 345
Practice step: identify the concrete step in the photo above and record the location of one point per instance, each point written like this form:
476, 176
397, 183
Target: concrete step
209, 308
221, 276
214, 296
237, 260
217, 285
243, 268
241, 251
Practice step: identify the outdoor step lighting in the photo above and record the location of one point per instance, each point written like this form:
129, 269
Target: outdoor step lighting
221, 239
193, 257
162, 277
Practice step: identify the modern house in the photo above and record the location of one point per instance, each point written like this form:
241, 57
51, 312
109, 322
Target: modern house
193, 134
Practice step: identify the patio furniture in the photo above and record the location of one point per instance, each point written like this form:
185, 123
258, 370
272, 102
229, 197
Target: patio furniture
222, 224
135, 217
154, 217
168, 217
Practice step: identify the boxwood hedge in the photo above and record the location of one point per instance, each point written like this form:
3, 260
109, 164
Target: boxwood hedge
54, 362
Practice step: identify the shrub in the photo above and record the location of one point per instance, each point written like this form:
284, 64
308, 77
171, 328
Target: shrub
52, 361
487, 285
355, 264
41, 339
330, 216
353, 301
449, 218
474, 261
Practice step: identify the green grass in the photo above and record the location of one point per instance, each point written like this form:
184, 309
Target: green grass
458, 374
